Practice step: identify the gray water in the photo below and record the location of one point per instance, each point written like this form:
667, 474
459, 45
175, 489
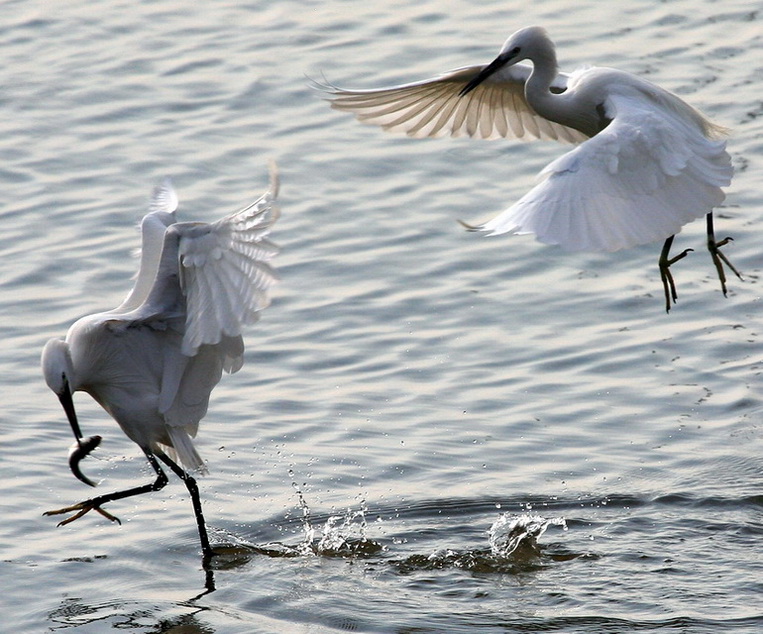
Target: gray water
414, 391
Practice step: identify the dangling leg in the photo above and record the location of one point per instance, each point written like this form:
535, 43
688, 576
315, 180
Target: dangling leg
95, 503
193, 490
718, 257
665, 263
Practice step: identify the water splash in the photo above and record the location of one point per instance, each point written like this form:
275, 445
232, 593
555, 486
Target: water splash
514, 549
306, 546
345, 535
341, 536
510, 534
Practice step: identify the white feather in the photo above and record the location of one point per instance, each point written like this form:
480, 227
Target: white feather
496, 109
153, 361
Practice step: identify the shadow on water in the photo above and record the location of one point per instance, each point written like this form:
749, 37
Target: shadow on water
75, 613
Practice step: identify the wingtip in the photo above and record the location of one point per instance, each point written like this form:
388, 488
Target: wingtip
275, 180
468, 227
324, 85
164, 198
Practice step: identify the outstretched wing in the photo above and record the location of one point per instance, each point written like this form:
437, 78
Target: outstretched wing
210, 280
224, 271
496, 108
649, 172
161, 214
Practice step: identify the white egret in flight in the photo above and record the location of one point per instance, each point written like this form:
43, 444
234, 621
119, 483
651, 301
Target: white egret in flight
153, 361
646, 162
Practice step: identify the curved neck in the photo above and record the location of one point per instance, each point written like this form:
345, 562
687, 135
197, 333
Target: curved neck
538, 86
560, 107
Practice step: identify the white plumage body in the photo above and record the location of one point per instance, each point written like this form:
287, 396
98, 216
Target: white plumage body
656, 165
152, 362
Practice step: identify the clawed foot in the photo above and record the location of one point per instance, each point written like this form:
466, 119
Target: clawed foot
667, 277
719, 258
82, 508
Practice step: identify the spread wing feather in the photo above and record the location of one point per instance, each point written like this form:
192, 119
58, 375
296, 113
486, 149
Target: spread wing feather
639, 180
496, 108
224, 271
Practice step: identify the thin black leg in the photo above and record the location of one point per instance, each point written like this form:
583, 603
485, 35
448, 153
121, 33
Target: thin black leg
719, 258
193, 490
94, 504
667, 277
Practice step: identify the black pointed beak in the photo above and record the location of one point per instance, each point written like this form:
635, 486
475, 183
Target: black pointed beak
83, 447
68, 404
498, 63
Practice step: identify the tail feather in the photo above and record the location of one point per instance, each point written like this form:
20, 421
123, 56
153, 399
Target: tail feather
186, 453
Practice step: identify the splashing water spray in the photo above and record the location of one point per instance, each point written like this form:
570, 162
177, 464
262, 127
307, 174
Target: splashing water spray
508, 533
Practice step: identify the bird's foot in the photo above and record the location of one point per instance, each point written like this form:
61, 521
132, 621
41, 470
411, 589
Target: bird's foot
81, 509
719, 259
667, 277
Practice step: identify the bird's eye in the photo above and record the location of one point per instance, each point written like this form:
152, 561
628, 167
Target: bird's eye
514, 51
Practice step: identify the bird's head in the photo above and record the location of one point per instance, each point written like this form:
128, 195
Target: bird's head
57, 366
531, 42
58, 370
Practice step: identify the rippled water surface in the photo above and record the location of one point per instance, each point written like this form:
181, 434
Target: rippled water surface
434, 431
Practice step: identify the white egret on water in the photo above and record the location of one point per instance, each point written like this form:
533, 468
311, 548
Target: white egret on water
646, 164
153, 361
